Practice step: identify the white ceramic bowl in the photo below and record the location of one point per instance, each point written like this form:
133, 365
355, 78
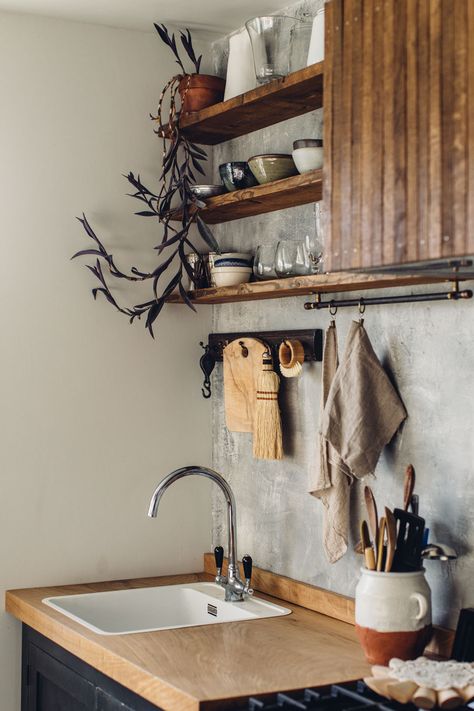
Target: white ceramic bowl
308, 158
230, 276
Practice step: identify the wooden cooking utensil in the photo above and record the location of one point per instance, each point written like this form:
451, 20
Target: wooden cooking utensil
242, 366
369, 554
372, 515
408, 486
391, 526
380, 545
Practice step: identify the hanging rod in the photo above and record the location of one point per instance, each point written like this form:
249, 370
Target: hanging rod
453, 295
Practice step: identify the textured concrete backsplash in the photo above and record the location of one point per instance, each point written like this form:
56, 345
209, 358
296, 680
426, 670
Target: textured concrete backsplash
427, 349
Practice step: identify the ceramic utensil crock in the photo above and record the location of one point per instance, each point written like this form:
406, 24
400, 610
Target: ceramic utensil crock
393, 615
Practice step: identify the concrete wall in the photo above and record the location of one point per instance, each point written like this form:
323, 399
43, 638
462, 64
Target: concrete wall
92, 410
429, 349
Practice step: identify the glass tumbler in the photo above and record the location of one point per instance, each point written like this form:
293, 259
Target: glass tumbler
285, 258
300, 38
264, 262
270, 39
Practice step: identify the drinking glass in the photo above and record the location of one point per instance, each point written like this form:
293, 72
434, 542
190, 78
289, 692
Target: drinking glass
264, 261
285, 258
270, 38
300, 38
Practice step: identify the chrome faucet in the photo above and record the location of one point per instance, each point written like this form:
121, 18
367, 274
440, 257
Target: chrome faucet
235, 589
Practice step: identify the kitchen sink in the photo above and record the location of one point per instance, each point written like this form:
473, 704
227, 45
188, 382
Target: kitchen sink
159, 608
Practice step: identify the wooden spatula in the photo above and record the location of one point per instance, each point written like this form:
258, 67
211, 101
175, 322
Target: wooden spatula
380, 544
391, 527
372, 516
408, 486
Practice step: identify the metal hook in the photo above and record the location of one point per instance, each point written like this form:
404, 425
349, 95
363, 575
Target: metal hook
207, 363
361, 309
333, 308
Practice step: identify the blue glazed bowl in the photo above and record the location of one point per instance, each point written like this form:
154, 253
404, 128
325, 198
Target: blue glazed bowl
237, 175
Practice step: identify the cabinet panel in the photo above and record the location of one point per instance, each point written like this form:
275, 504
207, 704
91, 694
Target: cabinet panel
399, 131
52, 686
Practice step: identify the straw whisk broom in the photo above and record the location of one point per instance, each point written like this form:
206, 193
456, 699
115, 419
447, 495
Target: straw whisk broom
267, 437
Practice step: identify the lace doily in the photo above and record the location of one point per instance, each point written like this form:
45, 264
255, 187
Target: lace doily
433, 675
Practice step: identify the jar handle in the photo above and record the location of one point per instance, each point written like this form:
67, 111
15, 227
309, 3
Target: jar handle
422, 604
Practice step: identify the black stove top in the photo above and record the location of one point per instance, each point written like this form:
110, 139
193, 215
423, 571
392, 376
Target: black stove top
351, 696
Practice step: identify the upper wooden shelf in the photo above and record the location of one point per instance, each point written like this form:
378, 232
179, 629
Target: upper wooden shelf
282, 99
306, 285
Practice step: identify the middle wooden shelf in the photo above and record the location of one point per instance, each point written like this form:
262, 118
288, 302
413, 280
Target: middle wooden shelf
289, 192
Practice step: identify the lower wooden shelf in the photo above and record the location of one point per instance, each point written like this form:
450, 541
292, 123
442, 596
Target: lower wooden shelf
305, 285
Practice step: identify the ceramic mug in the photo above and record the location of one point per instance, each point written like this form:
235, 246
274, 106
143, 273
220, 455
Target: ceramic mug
393, 615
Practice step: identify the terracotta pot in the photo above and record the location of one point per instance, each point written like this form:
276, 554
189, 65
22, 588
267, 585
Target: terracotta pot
393, 615
197, 91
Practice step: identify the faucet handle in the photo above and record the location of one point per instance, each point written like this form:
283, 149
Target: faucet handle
247, 564
219, 557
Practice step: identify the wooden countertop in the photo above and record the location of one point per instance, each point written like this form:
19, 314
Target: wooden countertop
192, 668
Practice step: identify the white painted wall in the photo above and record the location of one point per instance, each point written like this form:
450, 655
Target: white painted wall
93, 412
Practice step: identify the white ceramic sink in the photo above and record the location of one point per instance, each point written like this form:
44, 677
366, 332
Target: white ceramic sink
160, 608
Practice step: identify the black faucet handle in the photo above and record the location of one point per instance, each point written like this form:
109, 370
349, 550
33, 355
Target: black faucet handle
219, 557
247, 563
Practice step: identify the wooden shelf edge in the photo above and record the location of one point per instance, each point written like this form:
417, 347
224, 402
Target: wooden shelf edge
293, 95
306, 285
278, 195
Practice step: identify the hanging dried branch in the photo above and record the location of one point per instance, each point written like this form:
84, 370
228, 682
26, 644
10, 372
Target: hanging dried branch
181, 160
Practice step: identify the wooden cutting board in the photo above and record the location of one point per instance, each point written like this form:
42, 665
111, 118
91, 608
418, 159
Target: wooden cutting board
240, 382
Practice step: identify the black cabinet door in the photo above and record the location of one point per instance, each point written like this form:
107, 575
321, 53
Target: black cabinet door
52, 686
107, 702
55, 680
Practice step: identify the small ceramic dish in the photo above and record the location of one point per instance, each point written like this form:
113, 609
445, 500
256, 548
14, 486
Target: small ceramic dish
272, 166
308, 154
236, 175
203, 192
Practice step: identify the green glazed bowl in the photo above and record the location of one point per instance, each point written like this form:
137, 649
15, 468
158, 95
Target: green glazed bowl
272, 166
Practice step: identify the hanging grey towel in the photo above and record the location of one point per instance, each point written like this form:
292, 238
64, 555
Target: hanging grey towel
333, 478
363, 410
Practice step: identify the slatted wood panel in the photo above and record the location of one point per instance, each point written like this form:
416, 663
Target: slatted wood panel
399, 131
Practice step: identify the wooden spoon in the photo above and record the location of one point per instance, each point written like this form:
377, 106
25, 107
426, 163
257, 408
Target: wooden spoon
391, 526
372, 515
380, 545
408, 486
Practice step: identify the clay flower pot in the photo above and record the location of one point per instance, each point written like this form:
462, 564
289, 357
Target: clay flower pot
393, 615
197, 91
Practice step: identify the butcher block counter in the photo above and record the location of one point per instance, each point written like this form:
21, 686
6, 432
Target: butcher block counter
194, 668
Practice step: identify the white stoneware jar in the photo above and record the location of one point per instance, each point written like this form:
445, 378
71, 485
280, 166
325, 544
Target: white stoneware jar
316, 45
393, 615
240, 67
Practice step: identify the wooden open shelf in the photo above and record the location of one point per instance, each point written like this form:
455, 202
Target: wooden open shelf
289, 192
306, 285
282, 99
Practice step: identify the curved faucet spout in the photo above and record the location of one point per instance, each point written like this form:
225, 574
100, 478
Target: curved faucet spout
235, 587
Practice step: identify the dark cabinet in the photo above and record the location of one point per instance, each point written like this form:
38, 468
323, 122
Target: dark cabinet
55, 680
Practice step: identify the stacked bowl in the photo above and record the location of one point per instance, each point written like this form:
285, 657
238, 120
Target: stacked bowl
231, 268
